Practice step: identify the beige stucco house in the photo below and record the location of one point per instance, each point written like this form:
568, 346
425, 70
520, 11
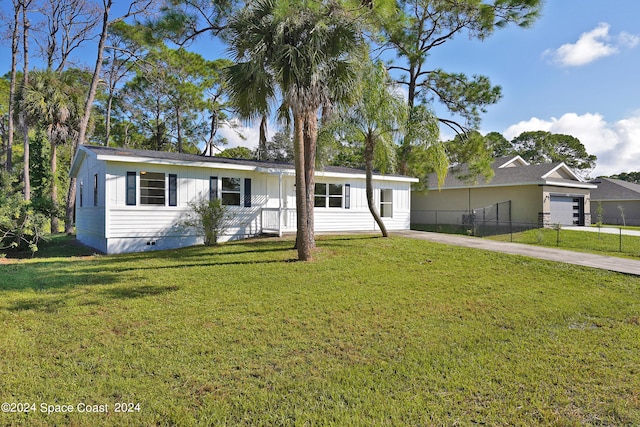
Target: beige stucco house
518, 194
616, 197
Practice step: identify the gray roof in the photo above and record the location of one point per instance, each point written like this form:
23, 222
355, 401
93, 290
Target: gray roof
615, 189
507, 176
182, 157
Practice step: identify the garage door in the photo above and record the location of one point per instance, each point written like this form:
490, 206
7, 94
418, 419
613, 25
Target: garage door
566, 210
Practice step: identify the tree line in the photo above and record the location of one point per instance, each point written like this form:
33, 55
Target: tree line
327, 71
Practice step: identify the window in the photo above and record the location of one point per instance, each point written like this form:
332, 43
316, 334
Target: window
95, 190
152, 187
386, 203
173, 190
328, 195
231, 191
81, 191
131, 188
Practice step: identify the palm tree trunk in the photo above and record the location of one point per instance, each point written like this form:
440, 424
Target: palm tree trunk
368, 163
302, 244
54, 188
310, 138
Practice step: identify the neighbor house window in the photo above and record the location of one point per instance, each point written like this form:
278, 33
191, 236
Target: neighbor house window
328, 195
152, 188
173, 190
386, 203
131, 188
81, 191
231, 191
95, 190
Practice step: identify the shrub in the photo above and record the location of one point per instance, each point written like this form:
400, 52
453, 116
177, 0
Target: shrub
210, 218
21, 226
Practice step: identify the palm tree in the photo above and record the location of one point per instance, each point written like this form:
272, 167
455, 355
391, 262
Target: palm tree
301, 53
373, 121
49, 102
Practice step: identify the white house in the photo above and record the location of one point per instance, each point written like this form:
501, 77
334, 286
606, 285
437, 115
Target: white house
133, 200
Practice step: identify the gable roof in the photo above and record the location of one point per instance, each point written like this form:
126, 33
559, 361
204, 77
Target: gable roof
513, 170
614, 189
181, 159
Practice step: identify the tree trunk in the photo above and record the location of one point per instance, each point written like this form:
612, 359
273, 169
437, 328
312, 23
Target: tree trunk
107, 120
55, 227
262, 144
84, 123
302, 244
25, 83
368, 163
12, 83
310, 138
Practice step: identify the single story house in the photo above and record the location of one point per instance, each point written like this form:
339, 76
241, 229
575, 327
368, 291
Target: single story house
519, 193
613, 195
133, 200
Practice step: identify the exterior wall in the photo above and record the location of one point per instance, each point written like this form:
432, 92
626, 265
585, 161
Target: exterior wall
611, 213
526, 203
548, 191
115, 227
90, 219
358, 217
141, 227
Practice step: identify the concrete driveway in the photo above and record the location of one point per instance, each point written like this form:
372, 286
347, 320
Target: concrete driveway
605, 230
619, 265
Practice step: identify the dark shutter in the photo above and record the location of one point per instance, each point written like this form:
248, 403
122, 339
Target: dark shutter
213, 188
131, 188
173, 190
347, 196
247, 192
95, 190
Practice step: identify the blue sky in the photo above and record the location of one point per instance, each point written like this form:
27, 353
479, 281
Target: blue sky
574, 72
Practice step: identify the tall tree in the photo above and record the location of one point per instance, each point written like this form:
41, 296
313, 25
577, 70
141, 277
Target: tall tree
52, 101
424, 25
373, 121
541, 146
24, 122
304, 51
470, 156
15, 35
135, 7
68, 25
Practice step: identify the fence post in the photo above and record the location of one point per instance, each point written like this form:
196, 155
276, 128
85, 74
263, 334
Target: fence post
620, 239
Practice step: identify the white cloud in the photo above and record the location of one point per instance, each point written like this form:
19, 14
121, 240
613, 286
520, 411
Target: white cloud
617, 145
591, 46
628, 39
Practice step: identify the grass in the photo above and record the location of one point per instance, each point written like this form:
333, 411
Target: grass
582, 241
373, 332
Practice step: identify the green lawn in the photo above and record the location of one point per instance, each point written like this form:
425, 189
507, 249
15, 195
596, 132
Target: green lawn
373, 332
583, 241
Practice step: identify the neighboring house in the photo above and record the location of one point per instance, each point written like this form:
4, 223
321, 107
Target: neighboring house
613, 194
518, 193
133, 200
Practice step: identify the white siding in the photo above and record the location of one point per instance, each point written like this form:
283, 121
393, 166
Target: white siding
114, 227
